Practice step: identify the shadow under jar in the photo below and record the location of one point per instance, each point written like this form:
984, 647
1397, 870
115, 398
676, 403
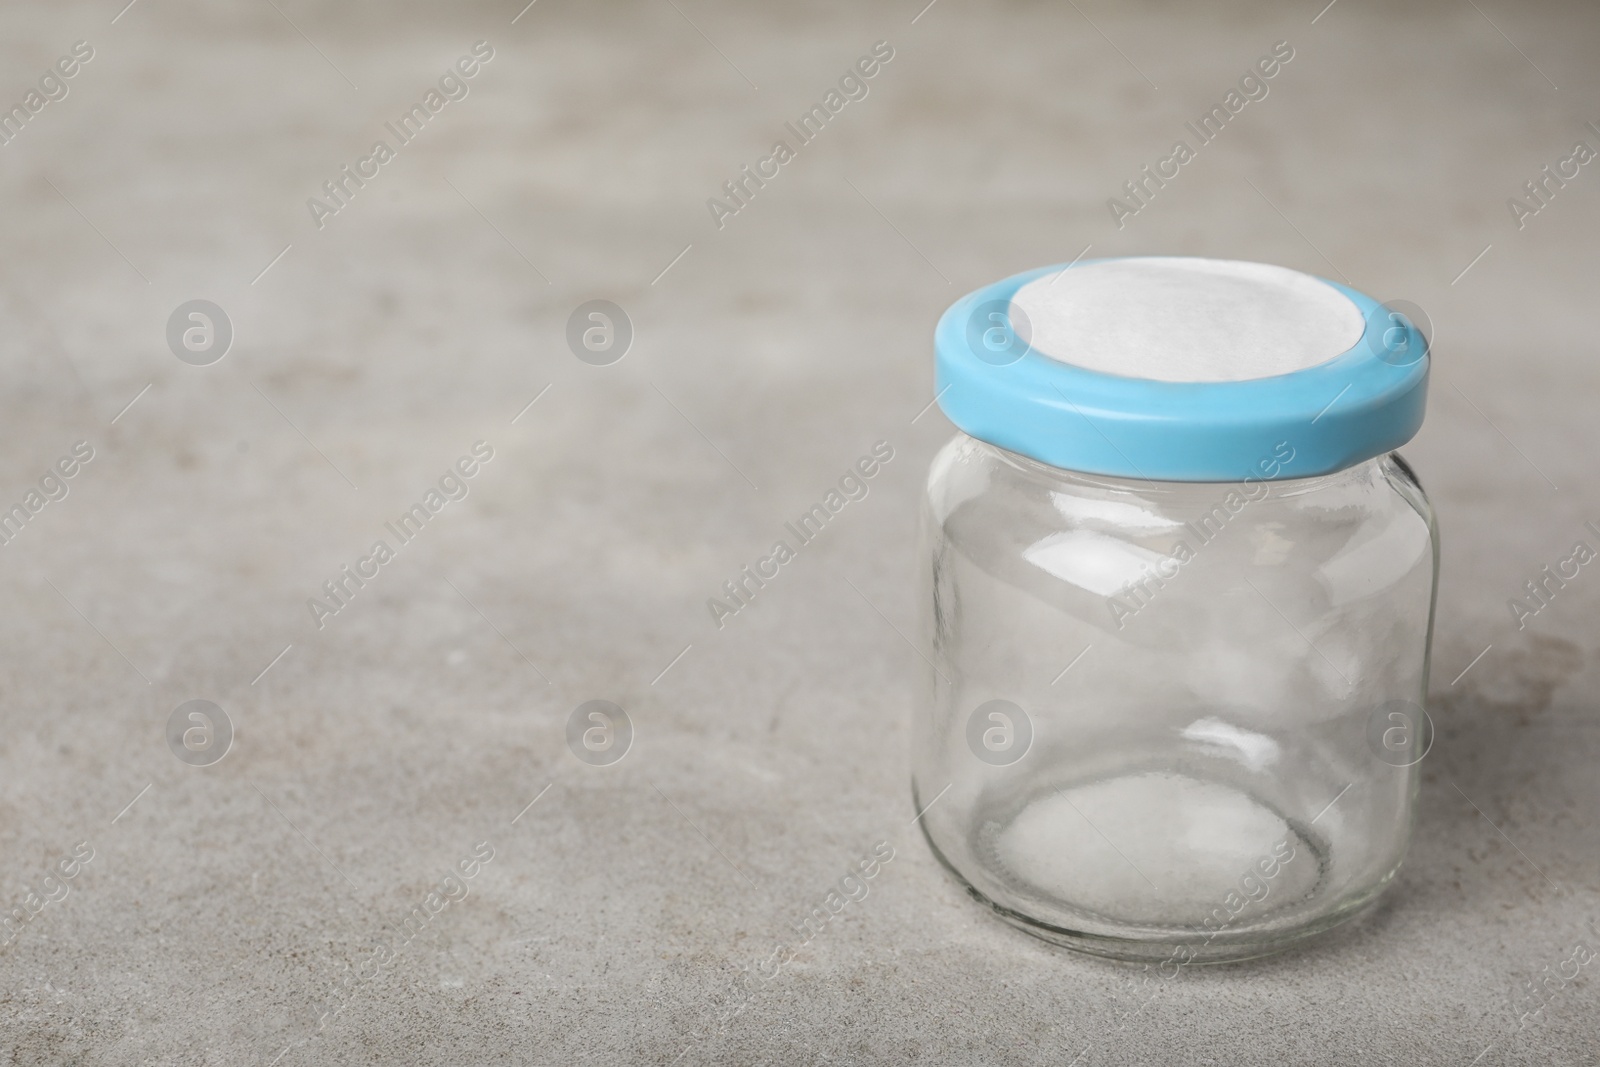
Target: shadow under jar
1179, 625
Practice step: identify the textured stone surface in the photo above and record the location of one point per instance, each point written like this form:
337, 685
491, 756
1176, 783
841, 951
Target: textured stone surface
221, 910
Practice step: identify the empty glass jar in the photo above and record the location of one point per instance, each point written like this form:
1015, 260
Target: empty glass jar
1179, 602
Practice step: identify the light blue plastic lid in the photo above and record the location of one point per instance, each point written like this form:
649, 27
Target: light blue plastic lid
993, 381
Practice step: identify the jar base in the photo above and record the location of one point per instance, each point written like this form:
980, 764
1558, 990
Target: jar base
1092, 907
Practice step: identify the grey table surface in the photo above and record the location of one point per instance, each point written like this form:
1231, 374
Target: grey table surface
228, 908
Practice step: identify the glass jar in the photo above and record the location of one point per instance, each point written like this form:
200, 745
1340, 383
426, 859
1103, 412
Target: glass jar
1171, 714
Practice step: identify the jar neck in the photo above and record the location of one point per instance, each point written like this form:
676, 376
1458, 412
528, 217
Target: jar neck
1081, 481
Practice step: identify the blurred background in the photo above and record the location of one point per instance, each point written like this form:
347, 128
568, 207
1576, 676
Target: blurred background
263, 908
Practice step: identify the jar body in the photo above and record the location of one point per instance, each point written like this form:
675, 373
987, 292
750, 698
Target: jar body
1172, 721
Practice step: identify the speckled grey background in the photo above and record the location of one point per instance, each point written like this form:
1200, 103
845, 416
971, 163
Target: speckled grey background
224, 908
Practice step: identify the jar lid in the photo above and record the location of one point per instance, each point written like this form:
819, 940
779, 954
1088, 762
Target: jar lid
1181, 369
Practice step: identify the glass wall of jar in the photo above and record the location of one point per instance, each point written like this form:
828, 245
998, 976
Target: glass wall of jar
1172, 717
